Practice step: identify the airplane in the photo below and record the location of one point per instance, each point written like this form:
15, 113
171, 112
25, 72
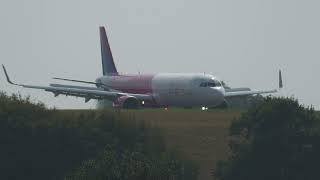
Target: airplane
160, 90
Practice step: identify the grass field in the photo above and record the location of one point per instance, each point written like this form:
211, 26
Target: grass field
200, 136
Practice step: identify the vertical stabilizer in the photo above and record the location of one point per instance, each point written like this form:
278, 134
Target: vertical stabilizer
108, 66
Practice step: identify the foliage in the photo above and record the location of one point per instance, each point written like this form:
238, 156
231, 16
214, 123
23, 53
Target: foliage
277, 139
132, 165
41, 143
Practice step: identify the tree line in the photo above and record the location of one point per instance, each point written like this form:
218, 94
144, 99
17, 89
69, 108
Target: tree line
41, 143
277, 139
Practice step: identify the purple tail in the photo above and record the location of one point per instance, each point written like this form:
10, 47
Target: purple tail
108, 66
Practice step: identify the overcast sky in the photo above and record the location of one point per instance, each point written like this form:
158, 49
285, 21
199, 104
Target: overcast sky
242, 42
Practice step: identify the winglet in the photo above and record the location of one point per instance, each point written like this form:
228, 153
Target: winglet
280, 80
7, 76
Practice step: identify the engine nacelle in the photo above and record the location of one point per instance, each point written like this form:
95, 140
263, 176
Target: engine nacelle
127, 102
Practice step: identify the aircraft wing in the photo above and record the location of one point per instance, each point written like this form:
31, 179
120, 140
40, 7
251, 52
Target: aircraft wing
247, 93
237, 89
235, 92
81, 91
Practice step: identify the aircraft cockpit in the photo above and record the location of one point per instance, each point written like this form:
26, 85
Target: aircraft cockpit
211, 83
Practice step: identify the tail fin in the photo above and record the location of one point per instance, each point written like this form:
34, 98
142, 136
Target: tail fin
108, 66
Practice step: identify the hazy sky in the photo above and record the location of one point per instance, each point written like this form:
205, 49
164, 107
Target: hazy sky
242, 42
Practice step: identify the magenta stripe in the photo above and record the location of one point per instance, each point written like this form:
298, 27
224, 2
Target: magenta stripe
138, 84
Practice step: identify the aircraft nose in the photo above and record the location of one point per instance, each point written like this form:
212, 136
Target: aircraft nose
219, 93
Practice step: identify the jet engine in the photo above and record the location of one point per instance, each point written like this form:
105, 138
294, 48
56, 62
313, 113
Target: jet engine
127, 102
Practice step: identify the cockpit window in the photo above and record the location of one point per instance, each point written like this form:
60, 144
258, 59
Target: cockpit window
203, 84
207, 84
213, 83
218, 84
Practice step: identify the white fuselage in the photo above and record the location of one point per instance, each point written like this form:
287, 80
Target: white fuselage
184, 90
171, 89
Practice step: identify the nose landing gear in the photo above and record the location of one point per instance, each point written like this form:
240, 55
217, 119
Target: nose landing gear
204, 108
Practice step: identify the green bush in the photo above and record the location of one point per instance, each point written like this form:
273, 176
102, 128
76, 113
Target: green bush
41, 143
277, 139
134, 165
